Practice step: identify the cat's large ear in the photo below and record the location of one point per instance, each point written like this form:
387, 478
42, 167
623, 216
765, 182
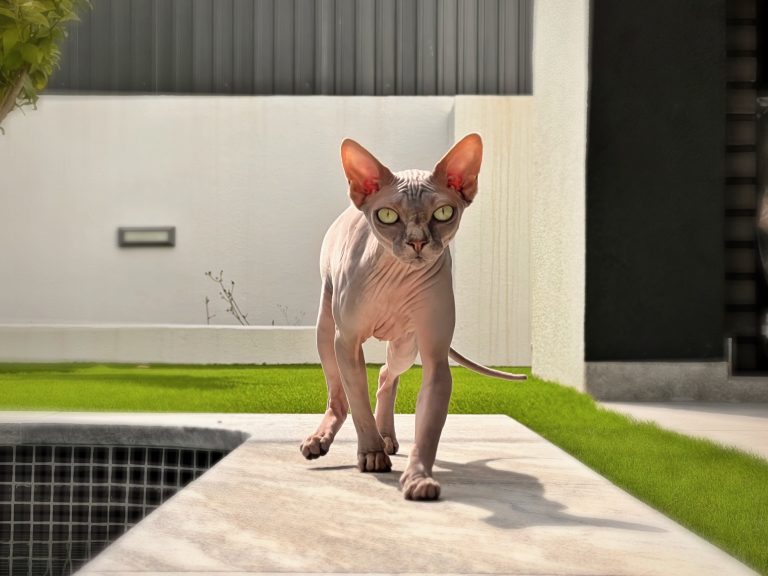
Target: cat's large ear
366, 175
459, 168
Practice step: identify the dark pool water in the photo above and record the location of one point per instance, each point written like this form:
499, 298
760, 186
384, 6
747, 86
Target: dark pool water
60, 505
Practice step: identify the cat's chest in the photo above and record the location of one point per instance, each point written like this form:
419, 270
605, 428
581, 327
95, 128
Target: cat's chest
387, 303
391, 312
375, 294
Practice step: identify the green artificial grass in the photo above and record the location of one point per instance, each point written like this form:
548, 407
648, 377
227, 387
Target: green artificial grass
719, 493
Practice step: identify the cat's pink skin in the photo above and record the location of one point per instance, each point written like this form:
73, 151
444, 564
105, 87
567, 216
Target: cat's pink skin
394, 286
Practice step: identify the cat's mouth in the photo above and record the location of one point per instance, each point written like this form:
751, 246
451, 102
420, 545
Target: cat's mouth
418, 261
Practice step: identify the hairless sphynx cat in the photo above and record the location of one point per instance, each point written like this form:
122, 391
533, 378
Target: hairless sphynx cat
386, 272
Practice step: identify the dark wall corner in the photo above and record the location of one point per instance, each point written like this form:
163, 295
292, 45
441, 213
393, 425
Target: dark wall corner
655, 173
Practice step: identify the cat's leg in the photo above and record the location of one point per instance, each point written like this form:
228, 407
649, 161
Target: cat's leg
318, 443
371, 456
434, 339
400, 356
431, 411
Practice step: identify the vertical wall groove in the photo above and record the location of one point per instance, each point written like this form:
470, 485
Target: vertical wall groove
343, 47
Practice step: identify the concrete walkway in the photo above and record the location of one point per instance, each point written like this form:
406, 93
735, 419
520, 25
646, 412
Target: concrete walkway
743, 426
512, 504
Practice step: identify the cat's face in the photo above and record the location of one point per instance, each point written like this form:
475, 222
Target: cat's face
415, 213
414, 217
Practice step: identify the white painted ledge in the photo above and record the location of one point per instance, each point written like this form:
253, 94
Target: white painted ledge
165, 344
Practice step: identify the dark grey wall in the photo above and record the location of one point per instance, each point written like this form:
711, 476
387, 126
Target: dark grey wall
655, 170
301, 47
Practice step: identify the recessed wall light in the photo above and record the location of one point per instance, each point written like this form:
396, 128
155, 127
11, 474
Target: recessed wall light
134, 237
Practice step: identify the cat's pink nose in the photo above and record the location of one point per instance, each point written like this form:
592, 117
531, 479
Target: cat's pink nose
417, 245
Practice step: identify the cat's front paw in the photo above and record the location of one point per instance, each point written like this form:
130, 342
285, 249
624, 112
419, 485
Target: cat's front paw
377, 461
316, 445
390, 443
416, 485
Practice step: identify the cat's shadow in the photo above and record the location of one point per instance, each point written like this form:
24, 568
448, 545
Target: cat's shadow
513, 501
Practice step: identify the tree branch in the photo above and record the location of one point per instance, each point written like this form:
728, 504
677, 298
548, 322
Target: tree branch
9, 102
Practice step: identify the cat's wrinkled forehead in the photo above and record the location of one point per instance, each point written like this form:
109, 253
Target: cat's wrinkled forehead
457, 170
413, 183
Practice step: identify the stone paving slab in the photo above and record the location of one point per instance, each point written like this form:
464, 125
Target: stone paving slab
512, 504
743, 426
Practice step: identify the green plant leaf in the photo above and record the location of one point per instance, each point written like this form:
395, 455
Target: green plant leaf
8, 14
13, 61
10, 39
46, 49
39, 80
28, 91
33, 17
73, 17
29, 33
30, 53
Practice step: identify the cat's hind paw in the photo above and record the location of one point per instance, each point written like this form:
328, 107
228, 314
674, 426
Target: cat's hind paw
373, 462
316, 445
419, 486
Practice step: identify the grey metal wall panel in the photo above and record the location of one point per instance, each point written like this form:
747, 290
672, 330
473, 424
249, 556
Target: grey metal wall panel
183, 63
325, 43
365, 47
488, 47
164, 46
407, 13
509, 16
243, 48
263, 70
283, 50
202, 45
304, 47
82, 53
385, 47
426, 47
68, 54
101, 56
344, 72
525, 48
223, 47
121, 46
468, 54
447, 46
142, 33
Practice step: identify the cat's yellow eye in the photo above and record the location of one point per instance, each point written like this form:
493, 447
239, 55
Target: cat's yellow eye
444, 213
387, 215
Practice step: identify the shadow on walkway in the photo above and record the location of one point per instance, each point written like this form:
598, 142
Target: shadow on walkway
513, 500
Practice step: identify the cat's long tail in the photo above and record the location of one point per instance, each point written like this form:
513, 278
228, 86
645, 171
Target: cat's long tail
484, 370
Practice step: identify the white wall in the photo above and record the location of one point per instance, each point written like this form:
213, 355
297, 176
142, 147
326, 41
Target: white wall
492, 255
251, 183
560, 84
